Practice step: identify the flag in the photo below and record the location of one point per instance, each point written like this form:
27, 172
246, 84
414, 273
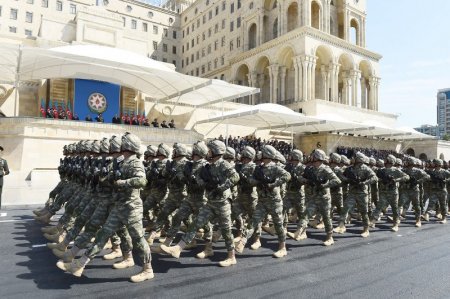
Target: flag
43, 110
68, 110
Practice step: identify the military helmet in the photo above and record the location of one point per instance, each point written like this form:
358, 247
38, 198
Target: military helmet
65, 150
258, 156
179, 150
269, 152
438, 162
200, 149
115, 143
372, 161
104, 145
280, 158
361, 158
95, 146
217, 147
335, 158
88, 146
345, 160
318, 155
398, 162
391, 159
380, 163
230, 153
410, 161
163, 150
296, 155
151, 150
131, 143
248, 152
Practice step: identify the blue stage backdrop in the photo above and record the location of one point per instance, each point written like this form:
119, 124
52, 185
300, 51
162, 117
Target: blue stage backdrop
94, 97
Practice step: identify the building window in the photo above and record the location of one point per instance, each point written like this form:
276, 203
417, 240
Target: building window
209, 66
231, 26
164, 59
203, 69
216, 45
192, 42
155, 46
174, 34
215, 62
187, 61
198, 23
197, 55
144, 27
28, 32
216, 28
207, 2
232, 7
210, 15
73, 9
129, 8
124, 21
231, 45
238, 42
224, 23
224, 5
238, 22
44, 3
203, 52
182, 49
133, 24
29, 17
223, 41
251, 5
174, 62
217, 10
165, 48
155, 29
203, 36
197, 72
222, 60
209, 49
209, 32
192, 58
150, 14
174, 50
13, 15
59, 5
166, 32
170, 20
12, 29
239, 4
204, 19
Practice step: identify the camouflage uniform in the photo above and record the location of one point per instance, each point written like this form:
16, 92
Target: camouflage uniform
295, 193
438, 190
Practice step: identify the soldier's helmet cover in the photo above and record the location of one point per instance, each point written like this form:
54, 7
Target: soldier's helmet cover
391, 159
296, 155
269, 152
318, 155
96, 146
179, 150
438, 162
131, 142
335, 158
248, 152
230, 153
163, 150
345, 160
200, 149
115, 144
372, 161
217, 147
380, 163
361, 158
151, 150
104, 145
398, 162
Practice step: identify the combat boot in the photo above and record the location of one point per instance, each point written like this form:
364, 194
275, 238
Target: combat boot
365, 233
174, 251
426, 216
70, 254
115, 253
191, 245
418, 223
256, 245
158, 250
126, 262
58, 238
329, 240
229, 261
239, 246
60, 248
300, 234
52, 230
341, 228
145, 274
444, 220
270, 230
395, 227
281, 250
151, 237
208, 251
76, 267
313, 223
438, 216
40, 212
44, 218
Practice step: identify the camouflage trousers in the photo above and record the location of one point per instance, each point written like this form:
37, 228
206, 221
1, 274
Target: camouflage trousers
154, 201
243, 207
188, 207
172, 203
126, 214
97, 219
84, 217
318, 205
219, 210
384, 200
67, 194
273, 207
408, 197
69, 219
54, 193
337, 200
293, 200
71, 205
361, 200
438, 197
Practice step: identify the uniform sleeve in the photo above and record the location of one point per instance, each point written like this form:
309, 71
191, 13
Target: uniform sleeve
138, 179
332, 179
423, 176
371, 176
282, 176
400, 176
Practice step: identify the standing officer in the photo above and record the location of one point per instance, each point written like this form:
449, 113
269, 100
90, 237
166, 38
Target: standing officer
4, 170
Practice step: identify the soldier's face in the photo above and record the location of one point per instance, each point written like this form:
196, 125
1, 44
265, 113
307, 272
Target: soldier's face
209, 155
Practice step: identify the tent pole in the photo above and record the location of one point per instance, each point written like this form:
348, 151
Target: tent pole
292, 138
16, 84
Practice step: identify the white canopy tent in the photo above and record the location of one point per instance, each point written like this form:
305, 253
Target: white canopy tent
158, 80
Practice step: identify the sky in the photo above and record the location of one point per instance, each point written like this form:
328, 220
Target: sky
414, 38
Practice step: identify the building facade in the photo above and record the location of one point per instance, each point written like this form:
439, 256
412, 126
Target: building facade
443, 112
429, 130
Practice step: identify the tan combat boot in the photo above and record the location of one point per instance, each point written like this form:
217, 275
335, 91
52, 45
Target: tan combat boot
40, 212
239, 246
257, 244
60, 248
57, 238
365, 233
46, 218
191, 245
151, 238
300, 234
418, 223
340, 229
115, 253
145, 274
174, 251
444, 220
208, 251
438, 215
281, 250
158, 250
329, 240
52, 230
426, 217
229, 261
70, 254
126, 262
76, 267
395, 227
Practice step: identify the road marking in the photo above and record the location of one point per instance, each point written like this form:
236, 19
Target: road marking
39, 245
3, 214
17, 220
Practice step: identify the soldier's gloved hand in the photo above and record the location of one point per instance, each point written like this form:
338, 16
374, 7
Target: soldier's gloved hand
193, 179
224, 186
271, 186
120, 183
362, 183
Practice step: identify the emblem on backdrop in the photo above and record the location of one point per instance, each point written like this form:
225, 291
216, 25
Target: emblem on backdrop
97, 103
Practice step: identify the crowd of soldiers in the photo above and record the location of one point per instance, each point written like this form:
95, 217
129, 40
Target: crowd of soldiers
109, 192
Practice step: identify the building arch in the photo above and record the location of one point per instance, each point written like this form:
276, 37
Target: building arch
365, 67
354, 32
442, 157
263, 79
270, 4
423, 157
292, 15
252, 34
285, 58
322, 73
242, 78
345, 82
410, 152
316, 15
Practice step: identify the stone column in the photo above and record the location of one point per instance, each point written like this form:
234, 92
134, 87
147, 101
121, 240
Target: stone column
252, 81
377, 84
261, 81
273, 73
346, 25
261, 28
305, 77
363, 33
283, 84
345, 89
313, 77
334, 81
354, 76
372, 104
244, 36
364, 103
324, 87
297, 78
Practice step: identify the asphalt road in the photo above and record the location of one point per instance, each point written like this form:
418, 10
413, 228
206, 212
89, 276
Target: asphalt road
412, 263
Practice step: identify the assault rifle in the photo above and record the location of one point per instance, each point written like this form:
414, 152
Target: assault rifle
116, 173
385, 178
187, 171
312, 178
437, 179
211, 181
263, 180
352, 176
293, 184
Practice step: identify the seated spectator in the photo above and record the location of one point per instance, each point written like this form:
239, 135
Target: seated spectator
145, 123
135, 121
164, 125
62, 114
172, 124
75, 117
88, 118
99, 118
116, 119
49, 113
155, 123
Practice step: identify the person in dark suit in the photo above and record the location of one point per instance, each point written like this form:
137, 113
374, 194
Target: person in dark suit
164, 125
88, 118
172, 124
116, 119
155, 123
4, 170
99, 118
